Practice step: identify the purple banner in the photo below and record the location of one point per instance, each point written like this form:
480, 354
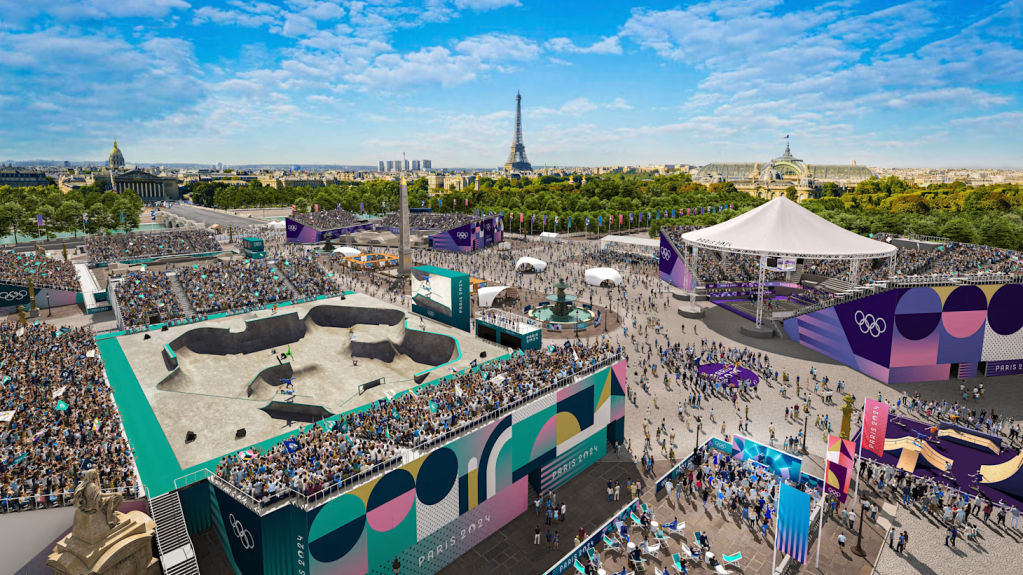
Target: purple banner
752, 285
672, 269
299, 233
730, 375
737, 293
1009, 367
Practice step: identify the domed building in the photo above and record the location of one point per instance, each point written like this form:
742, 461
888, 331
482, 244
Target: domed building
116, 158
769, 180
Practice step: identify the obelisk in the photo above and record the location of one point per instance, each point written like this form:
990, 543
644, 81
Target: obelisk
404, 249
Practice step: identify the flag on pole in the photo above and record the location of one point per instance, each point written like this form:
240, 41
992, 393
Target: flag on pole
620, 219
838, 469
875, 425
793, 533
362, 207
316, 207
467, 202
522, 217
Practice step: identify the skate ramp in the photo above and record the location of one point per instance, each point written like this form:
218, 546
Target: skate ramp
419, 346
970, 440
932, 457
342, 316
288, 411
266, 384
1005, 477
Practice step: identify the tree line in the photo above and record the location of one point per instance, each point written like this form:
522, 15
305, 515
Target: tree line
89, 209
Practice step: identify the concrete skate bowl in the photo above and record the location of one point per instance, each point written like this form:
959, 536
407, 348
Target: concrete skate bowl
279, 330
419, 346
296, 411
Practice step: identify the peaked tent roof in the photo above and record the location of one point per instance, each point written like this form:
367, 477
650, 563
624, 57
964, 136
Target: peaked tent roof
781, 227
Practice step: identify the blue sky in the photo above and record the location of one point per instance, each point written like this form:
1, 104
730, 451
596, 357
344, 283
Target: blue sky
920, 83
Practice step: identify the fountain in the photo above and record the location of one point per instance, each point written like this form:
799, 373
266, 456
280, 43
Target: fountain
562, 310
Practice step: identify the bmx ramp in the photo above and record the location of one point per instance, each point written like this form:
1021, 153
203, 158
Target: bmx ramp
420, 347
280, 330
970, 440
1005, 477
933, 458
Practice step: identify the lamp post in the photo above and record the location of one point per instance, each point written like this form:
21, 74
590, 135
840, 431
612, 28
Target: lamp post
858, 549
49, 310
806, 420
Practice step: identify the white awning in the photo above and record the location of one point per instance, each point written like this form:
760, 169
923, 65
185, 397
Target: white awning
487, 295
597, 276
346, 251
276, 225
783, 228
538, 265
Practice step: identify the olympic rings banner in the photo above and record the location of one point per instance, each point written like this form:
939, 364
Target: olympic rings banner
12, 296
672, 268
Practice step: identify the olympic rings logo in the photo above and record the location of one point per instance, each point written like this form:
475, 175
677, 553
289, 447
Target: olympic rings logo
13, 295
463, 235
665, 254
431, 313
869, 324
489, 226
292, 228
243, 534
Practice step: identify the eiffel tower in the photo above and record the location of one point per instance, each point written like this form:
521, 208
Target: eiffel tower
517, 161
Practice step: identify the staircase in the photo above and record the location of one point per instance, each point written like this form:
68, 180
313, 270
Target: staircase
179, 292
795, 275
112, 292
294, 290
835, 285
177, 557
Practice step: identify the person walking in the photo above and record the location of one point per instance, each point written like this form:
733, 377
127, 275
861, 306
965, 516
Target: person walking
891, 538
536, 537
550, 539
841, 542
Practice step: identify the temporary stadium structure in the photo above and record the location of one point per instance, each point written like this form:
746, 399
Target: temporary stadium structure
783, 229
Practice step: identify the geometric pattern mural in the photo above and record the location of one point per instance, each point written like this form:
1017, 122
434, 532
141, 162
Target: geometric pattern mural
917, 334
430, 511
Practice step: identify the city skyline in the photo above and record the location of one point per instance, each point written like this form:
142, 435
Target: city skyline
916, 84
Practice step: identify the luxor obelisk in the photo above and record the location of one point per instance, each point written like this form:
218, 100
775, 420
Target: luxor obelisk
404, 249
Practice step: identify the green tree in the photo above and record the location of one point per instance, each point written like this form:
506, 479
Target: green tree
13, 218
830, 190
959, 230
69, 217
792, 194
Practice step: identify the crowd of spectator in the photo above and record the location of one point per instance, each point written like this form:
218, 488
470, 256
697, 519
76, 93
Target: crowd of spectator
327, 219
144, 294
309, 278
111, 247
57, 417
45, 272
320, 458
963, 259
226, 285
431, 221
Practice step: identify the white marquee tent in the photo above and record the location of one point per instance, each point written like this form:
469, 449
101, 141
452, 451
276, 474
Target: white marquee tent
487, 295
346, 251
276, 224
782, 228
538, 265
597, 276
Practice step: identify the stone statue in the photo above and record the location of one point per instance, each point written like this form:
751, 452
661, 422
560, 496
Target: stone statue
31, 296
21, 314
103, 540
89, 498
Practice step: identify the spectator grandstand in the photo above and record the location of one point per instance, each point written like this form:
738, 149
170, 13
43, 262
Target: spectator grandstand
432, 221
327, 220
59, 418
112, 248
225, 285
45, 272
143, 294
319, 459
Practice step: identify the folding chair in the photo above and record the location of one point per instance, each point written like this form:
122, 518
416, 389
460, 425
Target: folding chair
639, 564
676, 560
720, 570
675, 528
580, 568
732, 559
699, 538
594, 558
651, 550
611, 545
635, 520
662, 539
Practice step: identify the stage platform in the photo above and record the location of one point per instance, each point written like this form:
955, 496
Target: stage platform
218, 376
748, 309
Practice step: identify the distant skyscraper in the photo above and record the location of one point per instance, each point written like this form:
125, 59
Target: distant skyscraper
381, 166
220, 166
407, 165
399, 165
427, 164
415, 165
390, 165
517, 161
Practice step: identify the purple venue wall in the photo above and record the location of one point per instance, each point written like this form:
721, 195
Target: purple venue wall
672, 269
917, 334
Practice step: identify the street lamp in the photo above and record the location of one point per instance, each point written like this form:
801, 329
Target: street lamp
858, 549
806, 420
49, 310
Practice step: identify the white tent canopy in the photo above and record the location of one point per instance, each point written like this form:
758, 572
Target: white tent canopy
597, 276
487, 295
346, 251
276, 225
783, 228
538, 265
629, 240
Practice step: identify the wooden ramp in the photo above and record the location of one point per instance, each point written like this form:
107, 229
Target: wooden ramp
968, 439
908, 459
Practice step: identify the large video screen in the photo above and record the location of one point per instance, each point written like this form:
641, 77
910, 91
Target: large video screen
431, 291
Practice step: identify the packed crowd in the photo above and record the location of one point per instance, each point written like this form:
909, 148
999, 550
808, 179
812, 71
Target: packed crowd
963, 259
111, 247
232, 284
44, 272
320, 458
308, 277
57, 416
144, 294
431, 221
327, 220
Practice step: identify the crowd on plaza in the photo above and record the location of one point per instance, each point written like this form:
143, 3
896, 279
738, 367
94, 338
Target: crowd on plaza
327, 219
320, 458
114, 247
431, 221
144, 294
57, 417
42, 271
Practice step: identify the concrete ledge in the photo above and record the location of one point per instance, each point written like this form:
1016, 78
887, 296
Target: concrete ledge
685, 297
762, 332
690, 314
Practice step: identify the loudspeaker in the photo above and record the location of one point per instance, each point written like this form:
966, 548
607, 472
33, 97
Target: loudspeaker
164, 328
240, 433
483, 354
190, 437
147, 336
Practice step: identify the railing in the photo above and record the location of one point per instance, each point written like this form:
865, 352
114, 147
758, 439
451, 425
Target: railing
920, 238
12, 504
263, 505
191, 478
507, 320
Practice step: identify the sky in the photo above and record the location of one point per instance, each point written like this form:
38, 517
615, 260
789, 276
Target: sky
915, 84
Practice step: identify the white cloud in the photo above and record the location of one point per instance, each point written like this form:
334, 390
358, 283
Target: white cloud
499, 48
619, 104
575, 108
1004, 120
610, 45
485, 5
20, 11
